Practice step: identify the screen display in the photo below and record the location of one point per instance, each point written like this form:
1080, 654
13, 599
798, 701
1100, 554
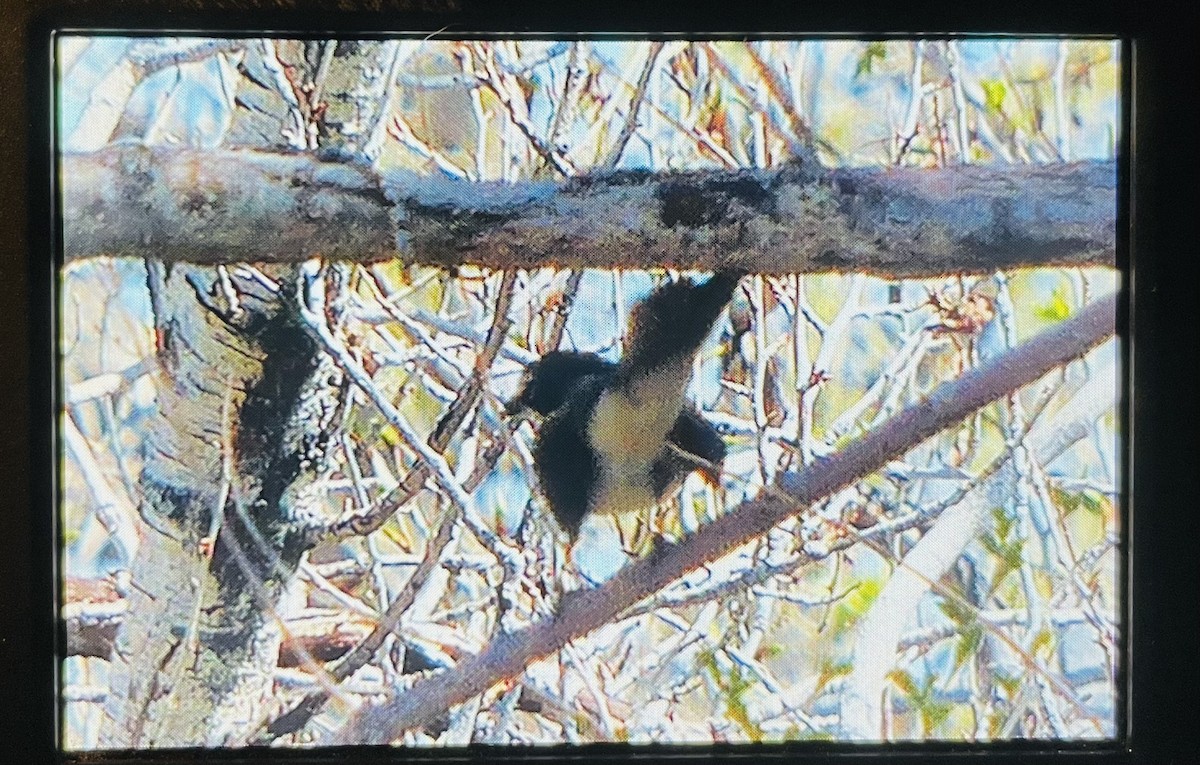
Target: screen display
527, 391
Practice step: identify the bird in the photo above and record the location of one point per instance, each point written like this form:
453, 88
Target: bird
619, 436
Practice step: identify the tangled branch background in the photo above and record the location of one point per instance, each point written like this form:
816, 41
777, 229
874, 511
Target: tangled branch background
966, 591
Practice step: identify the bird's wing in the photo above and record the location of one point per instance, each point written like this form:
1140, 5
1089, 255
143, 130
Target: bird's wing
696, 436
692, 436
548, 381
566, 464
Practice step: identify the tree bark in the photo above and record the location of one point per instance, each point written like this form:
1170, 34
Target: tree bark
582, 611
244, 206
249, 396
249, 402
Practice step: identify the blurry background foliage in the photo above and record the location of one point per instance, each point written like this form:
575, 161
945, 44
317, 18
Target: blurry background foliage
806, 364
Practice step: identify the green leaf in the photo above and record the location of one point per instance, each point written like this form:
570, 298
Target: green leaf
845, 441
1010, 556
517, 338
1057, 309
1010, 684
992, 544
1002, 544
1004, 523
831, 670
995, 722
1013, 553
933, 715
734, 688
905, 683
390, 436
736, 704
1092, 502
738, 683
770, 651
873, 52
856, 603
1067, 502
956, 612
968, 643
794, 732
1043, 639
994, 93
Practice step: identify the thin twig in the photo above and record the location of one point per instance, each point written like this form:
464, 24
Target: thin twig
573, 81
798, 127
503, 85
297, 134
397, 52
582, 611
700, 137
300, 713
961, 129
1061, 119
114, 510
109, 383
563, 311
328, 48
400, 130
635, 105
752, 99
916, 95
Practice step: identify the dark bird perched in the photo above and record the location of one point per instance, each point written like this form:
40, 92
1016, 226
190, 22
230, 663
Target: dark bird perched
616, 437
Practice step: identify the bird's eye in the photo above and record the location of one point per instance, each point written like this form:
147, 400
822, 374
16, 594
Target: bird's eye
514, 405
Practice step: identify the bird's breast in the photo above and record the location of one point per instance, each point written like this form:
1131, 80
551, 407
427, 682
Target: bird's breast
618, 495
627, 429
633, 428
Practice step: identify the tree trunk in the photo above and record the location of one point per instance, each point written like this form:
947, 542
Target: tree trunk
249, 403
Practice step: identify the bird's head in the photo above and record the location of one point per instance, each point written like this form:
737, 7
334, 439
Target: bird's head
547, 381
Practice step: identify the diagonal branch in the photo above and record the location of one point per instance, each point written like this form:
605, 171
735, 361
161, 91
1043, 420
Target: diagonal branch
780, 93
584, 610
563, 313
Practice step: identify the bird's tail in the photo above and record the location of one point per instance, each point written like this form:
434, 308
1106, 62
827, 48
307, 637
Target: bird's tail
676, 318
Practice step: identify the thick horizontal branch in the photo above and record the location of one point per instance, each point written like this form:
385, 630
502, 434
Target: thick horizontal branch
220, 207
241, 206
584, 610
92, 610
